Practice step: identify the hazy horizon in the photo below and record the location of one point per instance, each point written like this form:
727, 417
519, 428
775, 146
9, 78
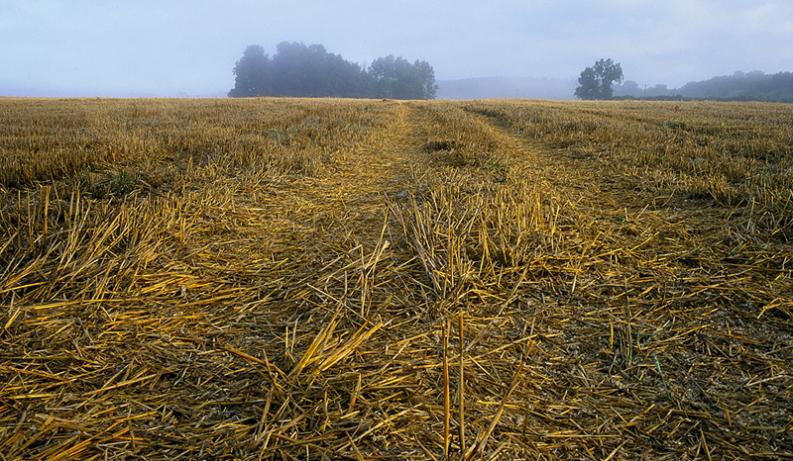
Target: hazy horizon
86, 48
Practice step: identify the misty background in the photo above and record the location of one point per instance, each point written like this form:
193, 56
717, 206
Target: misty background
510, 48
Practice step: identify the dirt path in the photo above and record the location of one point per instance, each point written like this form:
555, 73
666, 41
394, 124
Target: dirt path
312, 246
352, 200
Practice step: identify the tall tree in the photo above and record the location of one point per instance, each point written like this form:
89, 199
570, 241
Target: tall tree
252, 73
396, 77
597, 82
426, 77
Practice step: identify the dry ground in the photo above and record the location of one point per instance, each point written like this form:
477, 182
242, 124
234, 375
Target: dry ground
276, 279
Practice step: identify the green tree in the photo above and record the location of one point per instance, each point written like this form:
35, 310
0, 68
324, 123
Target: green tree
426, 78
252, 73
300, 70
597, 82
396, 77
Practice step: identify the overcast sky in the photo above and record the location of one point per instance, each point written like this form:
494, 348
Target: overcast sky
172, 47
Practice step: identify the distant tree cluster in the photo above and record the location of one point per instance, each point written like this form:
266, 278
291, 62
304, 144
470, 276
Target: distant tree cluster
756, 86
597, 82
310, 71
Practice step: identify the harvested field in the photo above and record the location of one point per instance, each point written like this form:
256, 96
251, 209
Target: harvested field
335, 279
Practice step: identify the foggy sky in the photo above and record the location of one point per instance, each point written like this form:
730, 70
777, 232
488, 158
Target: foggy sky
188, 47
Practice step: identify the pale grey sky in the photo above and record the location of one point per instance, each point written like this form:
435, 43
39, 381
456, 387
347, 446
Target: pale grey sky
173, 47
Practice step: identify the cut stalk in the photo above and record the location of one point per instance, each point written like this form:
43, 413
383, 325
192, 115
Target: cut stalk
447, 414
461, 386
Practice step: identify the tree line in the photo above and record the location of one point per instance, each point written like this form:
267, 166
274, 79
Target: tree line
597, 82
299, 70
755, 86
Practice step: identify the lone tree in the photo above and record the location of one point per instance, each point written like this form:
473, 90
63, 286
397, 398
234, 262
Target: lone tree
596, 82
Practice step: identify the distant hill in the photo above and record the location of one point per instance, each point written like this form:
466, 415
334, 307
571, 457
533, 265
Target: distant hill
506, 87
